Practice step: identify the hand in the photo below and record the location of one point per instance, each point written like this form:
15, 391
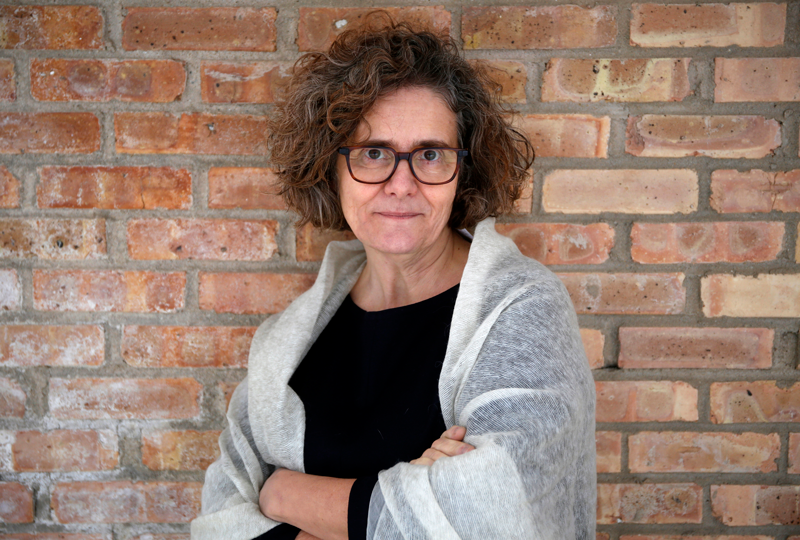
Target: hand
268, 498
448, 445
303, 535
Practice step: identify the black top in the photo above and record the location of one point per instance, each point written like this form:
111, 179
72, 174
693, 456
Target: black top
369, 385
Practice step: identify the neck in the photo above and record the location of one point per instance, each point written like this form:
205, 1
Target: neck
391, 280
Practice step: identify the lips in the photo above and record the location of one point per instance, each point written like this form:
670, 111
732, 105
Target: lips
399, 215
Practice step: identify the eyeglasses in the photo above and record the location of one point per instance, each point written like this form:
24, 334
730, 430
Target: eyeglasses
376, 164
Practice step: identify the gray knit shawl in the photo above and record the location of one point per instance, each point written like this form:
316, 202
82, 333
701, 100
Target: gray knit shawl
515, 374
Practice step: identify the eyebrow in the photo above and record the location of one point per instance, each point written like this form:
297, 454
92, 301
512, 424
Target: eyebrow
426, 143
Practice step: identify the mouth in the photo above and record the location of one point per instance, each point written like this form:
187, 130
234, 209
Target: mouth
399, 215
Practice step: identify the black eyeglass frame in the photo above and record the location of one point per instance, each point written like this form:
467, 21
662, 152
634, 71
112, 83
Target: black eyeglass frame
460, 155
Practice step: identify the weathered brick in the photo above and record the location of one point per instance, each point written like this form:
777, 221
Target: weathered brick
510, 76
585, 80
626, 293
126, 502
708, 25
649, 503
765, 295
757, 79
8, 85
797, 246
567, 135
180, 450
59, 450
61, 79
12, 399
755, 191
199, 29
755, 401
186, 346
49, 132
108, 290
115, 188
226, 389
756, 505
248, 188
31, 345
242, 82
627, 191
251, 293
646, 401
661, 135
602, 536
746, 241
10, 290
150, 536
540, 27
651, 451
55, 536
317, 27
17, 503
190, 133
561, 243
704, 348
794, 453
692, 537
56, 239
312, 242
593, 342
9, 189
124, 398
609, 451
524, 204
51, 27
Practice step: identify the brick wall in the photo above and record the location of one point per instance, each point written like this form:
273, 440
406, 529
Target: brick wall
141, 242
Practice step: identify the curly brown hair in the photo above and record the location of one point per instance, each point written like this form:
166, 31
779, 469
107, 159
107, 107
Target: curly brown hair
329, 93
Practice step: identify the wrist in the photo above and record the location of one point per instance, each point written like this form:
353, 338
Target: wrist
271, 498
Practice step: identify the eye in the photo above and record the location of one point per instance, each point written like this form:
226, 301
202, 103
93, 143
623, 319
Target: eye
375, 153
430, 155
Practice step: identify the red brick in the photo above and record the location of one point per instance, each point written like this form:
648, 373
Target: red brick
540, 27
797, 246
190, 133
55, 536
765, 295
646, 401
9, 189
12, 399
17, 505
124, 398
180, 450
249, 188
510, 77
747, 241
602, 536
757, 79
627, 191
55, 239
707, 25
756, 401
312, 242
60, 450
242, 82
226, 388
199, 29
115, 188
251, 293
672, 451
108, 290
318, 27
8, 87
10, 290
756, 505
593, 342
609, 451
654, 135
755, 191
567, 135
693, 537
704, 348
49, 132
561, 243
211, 239
186, 346
794, 453
31, 345
126, 502
51, 27
626, 293
585, 80
649, 503
60, 79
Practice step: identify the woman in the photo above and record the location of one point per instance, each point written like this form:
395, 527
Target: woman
429, 384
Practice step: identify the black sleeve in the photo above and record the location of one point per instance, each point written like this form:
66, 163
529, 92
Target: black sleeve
284, 531
358, 507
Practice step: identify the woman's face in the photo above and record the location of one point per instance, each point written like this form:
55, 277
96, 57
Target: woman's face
402, 215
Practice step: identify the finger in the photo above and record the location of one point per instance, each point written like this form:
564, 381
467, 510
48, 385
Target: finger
422, 461
433, 454
451, 447
457, 433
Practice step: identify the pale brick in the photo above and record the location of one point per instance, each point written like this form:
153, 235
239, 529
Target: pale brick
10, 290
744, 136
510, 77
251, 293
9, 189
593, 342
55, 536
794, 453
757, 79
649, 503
755, 191
626, 293
609, 451
242, 82
58, 450
626, 191
49, 132
12, 399
51, 27
753, 402
53, 239
737, 506
312, 241
16, 503
646, 401
31, 345
248, 188
186, 346
180, 450
567, 135
765, 295
703, 348
8, 86
561, 243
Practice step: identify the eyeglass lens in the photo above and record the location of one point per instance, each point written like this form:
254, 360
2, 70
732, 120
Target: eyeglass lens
429, 165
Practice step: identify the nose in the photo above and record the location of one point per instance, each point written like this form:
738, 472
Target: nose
402, 182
